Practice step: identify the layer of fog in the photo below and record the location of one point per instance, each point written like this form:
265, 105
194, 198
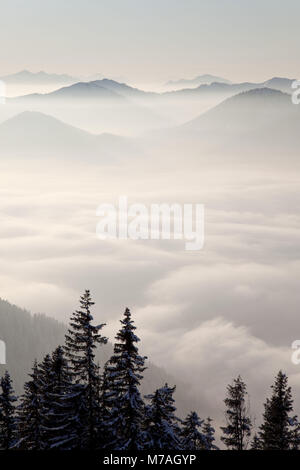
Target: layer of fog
206, 316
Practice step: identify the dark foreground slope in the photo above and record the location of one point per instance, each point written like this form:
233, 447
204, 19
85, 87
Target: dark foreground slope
29, 337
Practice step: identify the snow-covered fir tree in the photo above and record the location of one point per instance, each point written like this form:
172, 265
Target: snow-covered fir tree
279, 430
71, 414
162, 425
7, 413
100, 437
256, 443
45, 387
68, 405
60, 418
81, 341
106, 435
209, 435
192, 437
123, 376
29, 414
295, 433
237, 432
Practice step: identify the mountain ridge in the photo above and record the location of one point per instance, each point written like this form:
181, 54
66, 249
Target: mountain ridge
36, 134
196, 81
254, 122
25, 76
257, 93
111, 88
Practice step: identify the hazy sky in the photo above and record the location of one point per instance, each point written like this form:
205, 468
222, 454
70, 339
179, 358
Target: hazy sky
155, 40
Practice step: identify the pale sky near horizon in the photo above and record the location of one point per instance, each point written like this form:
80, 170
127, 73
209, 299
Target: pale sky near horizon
152, 41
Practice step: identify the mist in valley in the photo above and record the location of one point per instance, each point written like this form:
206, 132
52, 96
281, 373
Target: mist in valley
206, 315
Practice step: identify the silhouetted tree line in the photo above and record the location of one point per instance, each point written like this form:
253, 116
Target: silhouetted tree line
68, 403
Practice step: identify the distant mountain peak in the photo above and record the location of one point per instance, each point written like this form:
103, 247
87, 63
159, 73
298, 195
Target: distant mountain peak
32, 115
34, 121
257, 102
273, 79
261, 92
280, 83
26, 76
87, 90
205, 79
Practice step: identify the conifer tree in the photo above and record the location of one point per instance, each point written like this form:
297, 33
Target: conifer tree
29, 414
105, 392
60, 419
105, 433
7, 413
209, 435
295, 434
123, 376
238, 430
67, 423
191, 436
45, 387
99, 417
163, 431
71, 415
278, 429
81, 341
256, 443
